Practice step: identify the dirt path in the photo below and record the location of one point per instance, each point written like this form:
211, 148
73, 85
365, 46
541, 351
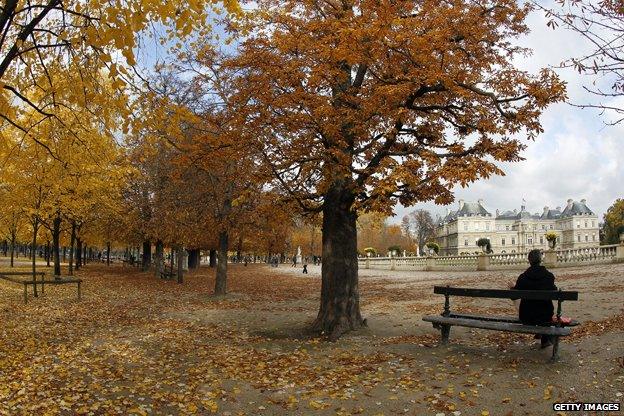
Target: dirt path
138, 345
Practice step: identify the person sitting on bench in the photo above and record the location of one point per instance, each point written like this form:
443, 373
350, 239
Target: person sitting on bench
536, 277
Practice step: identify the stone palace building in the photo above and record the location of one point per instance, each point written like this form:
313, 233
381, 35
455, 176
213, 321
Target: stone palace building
516, 231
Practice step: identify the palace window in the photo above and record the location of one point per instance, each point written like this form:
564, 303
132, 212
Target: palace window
585, 224
578, 224
543, 227
465, 226
502, 241
465, 241
578, 238
551, 226
529, 240
593, 223
593, 237
513, 241
487, 226
506, 228
586, 238
541, 240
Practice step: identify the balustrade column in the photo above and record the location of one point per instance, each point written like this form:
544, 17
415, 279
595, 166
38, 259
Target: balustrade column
550, 258
619, 253
483, 262
429, 263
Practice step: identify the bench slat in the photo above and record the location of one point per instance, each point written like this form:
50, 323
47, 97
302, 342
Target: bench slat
497, 318
506, 294
510, 319
497, 326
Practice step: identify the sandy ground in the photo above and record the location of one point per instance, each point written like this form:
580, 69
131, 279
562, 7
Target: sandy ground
140, 345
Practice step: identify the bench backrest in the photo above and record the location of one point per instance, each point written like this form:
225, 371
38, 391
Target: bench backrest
558, 295
21, 273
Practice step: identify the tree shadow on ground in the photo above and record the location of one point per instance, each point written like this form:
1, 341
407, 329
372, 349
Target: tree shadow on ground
299, 332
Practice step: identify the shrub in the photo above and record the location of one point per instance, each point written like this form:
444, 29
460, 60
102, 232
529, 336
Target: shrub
394, 248
433, 246
551, 236
485, 244
370, 250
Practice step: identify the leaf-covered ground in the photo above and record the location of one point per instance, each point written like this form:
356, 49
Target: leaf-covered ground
139, 345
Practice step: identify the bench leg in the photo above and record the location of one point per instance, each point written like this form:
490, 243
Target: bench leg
445, 331
555, 351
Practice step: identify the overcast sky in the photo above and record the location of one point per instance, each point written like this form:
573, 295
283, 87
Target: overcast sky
578, 156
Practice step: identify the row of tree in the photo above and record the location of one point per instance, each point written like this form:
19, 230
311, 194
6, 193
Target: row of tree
315, 111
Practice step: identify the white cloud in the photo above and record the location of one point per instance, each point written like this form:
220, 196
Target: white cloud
578, 156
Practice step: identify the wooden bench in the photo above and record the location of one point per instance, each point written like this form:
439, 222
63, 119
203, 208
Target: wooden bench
11, 277
447, 319
167, 274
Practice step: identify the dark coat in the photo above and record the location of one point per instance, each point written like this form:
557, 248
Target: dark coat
536, 312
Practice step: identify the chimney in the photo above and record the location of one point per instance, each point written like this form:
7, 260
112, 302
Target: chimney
545, 210
461, 203
583, 201
515, 211
570, 202
480, 201
558, 208
448, 210
497, 212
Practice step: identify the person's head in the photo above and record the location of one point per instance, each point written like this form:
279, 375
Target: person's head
535, 257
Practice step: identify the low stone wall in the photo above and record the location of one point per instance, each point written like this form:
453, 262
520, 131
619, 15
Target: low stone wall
552, 259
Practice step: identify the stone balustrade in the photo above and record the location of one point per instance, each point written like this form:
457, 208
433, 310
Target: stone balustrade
552, 258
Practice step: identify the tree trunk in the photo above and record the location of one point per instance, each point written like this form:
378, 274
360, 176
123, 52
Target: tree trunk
158, 268
147, 255
194, 258
47, 253
239, 249
221, 280
13, 237
212, 258
72, 241
78, 253
180, 263
339, 310
56, 236
34, 253
108, 248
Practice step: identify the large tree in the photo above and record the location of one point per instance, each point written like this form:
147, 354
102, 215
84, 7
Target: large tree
614, 222
45, 39
361, 104
424, 227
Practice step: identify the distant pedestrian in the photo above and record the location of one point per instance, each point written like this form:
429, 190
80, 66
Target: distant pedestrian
305, 265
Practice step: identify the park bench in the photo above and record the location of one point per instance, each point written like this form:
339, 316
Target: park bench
167, 274
447, 319
13, 277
